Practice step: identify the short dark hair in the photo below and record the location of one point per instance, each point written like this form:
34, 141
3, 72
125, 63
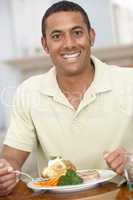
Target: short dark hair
64, 6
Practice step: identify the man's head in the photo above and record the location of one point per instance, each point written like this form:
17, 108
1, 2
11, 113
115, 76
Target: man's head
66, 6
68, 37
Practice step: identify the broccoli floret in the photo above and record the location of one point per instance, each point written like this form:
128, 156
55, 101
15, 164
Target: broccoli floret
70, 173
71, 178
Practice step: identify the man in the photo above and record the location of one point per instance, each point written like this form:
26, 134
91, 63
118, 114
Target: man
77, 110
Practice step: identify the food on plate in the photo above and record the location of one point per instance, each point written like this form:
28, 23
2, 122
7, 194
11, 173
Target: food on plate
57, 167
87, 175
60, 172
49, 182
70, 178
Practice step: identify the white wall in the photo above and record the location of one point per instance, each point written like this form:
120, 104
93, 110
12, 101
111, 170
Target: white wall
20, 23
27, 16
99, 12
6, 40
9, 80
20, 27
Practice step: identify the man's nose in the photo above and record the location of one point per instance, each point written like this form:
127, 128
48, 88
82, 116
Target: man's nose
69, 41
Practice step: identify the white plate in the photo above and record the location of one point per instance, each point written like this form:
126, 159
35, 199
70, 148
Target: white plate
105, 175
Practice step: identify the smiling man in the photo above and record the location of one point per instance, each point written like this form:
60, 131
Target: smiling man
78, 110
68, 39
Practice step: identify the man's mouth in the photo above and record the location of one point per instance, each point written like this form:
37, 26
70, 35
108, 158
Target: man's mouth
71, 56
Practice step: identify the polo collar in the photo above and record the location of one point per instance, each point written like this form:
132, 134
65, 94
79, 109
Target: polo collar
102, 78
49, 85
100, 84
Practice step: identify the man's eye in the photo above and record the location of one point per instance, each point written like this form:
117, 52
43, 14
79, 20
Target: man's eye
78, 33
56, 37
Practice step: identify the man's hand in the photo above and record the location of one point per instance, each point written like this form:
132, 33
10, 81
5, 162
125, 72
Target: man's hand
115, 160
8, 179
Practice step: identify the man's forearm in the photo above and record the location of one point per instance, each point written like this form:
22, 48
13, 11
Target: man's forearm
15, 157
13, 162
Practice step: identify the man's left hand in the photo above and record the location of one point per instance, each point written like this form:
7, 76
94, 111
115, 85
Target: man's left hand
115, 160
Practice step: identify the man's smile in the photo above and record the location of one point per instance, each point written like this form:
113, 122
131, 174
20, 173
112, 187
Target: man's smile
71, 55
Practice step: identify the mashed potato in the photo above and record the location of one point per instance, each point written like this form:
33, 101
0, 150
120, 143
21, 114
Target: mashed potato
57, 168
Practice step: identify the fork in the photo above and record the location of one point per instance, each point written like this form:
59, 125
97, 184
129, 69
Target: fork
17, 172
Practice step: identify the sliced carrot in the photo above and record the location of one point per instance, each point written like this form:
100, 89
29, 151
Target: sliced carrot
51, 182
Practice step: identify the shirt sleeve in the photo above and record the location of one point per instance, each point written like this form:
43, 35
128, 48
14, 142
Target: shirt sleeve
21, 133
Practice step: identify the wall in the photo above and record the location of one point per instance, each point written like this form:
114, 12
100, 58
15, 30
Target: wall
27, 18
100, 14
21, 25
6, 41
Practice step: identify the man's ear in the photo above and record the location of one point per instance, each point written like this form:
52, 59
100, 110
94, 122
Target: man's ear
92, 36
44, 44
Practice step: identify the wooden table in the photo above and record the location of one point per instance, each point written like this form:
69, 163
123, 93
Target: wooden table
106, 191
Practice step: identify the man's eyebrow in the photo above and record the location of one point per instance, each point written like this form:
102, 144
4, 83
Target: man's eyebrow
55, 31
59, 31
77, 27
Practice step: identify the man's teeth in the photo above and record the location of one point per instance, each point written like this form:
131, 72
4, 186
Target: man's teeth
69, 56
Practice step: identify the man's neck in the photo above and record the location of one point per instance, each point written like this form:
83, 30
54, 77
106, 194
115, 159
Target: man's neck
74, 87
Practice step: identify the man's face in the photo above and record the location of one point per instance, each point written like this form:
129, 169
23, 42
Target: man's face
68, 41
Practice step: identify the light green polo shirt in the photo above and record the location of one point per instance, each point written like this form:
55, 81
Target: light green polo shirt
42, 115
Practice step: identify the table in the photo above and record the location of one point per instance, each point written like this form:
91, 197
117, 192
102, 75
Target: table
106, 191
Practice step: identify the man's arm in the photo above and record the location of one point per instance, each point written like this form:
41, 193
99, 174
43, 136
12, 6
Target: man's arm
12, 159
15, 157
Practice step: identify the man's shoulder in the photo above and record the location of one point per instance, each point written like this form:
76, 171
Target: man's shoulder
121, 79
114, 71
35, 82
121, 73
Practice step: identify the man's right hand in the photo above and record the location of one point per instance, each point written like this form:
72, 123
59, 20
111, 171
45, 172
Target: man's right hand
8, 178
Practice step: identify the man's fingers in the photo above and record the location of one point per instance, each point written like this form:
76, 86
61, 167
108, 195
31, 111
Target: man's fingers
115, 160
13, 185
120, 170
5, 167
110, 156
8, 177
117, 165
5, 170
7, 184
9, 189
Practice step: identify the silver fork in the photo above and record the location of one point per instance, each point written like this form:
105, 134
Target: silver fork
17, 172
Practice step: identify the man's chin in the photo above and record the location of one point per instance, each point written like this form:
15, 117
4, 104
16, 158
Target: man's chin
73, 72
